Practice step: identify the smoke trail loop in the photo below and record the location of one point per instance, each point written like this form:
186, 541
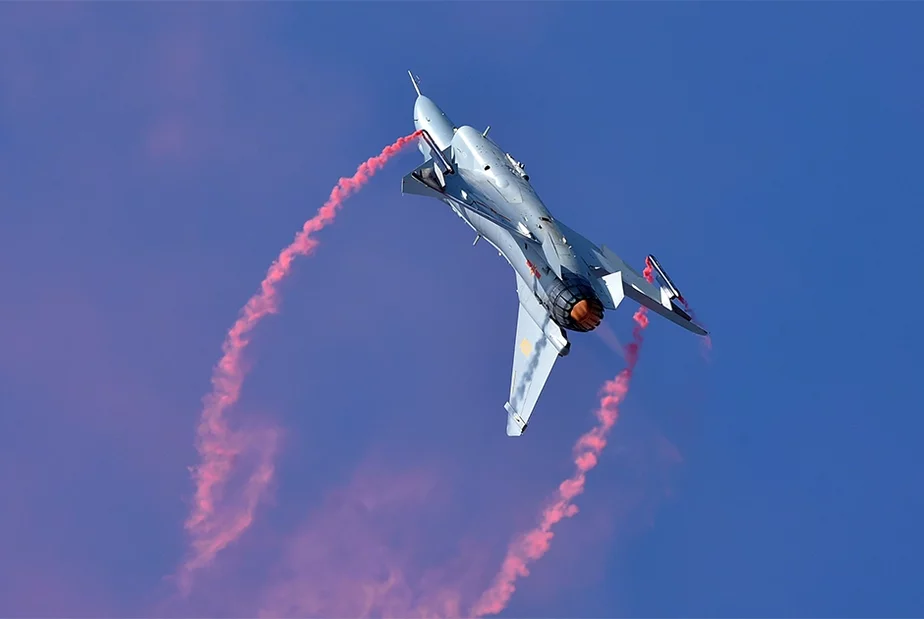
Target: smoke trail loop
214, 522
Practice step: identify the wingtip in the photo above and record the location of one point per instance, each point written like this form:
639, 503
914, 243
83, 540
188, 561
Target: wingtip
515, 425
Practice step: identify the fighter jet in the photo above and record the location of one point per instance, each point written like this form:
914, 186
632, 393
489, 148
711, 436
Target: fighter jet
564, 281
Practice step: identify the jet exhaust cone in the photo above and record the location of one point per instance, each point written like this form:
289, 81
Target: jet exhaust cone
587, 314
574, 305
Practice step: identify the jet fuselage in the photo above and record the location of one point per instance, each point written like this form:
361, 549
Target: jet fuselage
491, 192
563, 279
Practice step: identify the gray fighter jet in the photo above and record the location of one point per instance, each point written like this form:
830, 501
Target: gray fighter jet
564, 281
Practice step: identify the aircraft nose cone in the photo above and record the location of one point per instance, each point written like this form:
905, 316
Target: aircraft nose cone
424, 109
428, 116
587, 315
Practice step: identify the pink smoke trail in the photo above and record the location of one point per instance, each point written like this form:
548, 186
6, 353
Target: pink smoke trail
532, 545
211, 529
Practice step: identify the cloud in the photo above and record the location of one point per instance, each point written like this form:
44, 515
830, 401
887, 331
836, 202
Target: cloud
137, 151
373, 549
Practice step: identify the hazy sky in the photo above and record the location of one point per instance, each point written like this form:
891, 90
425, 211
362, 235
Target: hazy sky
154, 159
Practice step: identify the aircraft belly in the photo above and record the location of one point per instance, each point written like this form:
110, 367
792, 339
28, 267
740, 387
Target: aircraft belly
528, 262
492, 195
461, 212
507, 190
500, 238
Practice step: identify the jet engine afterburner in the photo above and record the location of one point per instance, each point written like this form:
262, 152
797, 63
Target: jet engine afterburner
574, 305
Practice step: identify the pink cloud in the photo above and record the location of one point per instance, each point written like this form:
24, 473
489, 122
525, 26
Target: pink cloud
168, 138
364, 553
58, 339
47, 586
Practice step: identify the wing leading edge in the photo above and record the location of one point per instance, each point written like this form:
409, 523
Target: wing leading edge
539, 343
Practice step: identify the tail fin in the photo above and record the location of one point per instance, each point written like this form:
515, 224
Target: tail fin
613, 280
625, 281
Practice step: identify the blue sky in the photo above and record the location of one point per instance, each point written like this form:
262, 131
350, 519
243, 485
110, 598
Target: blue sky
154, 158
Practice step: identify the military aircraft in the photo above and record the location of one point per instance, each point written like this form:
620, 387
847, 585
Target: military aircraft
564, 281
